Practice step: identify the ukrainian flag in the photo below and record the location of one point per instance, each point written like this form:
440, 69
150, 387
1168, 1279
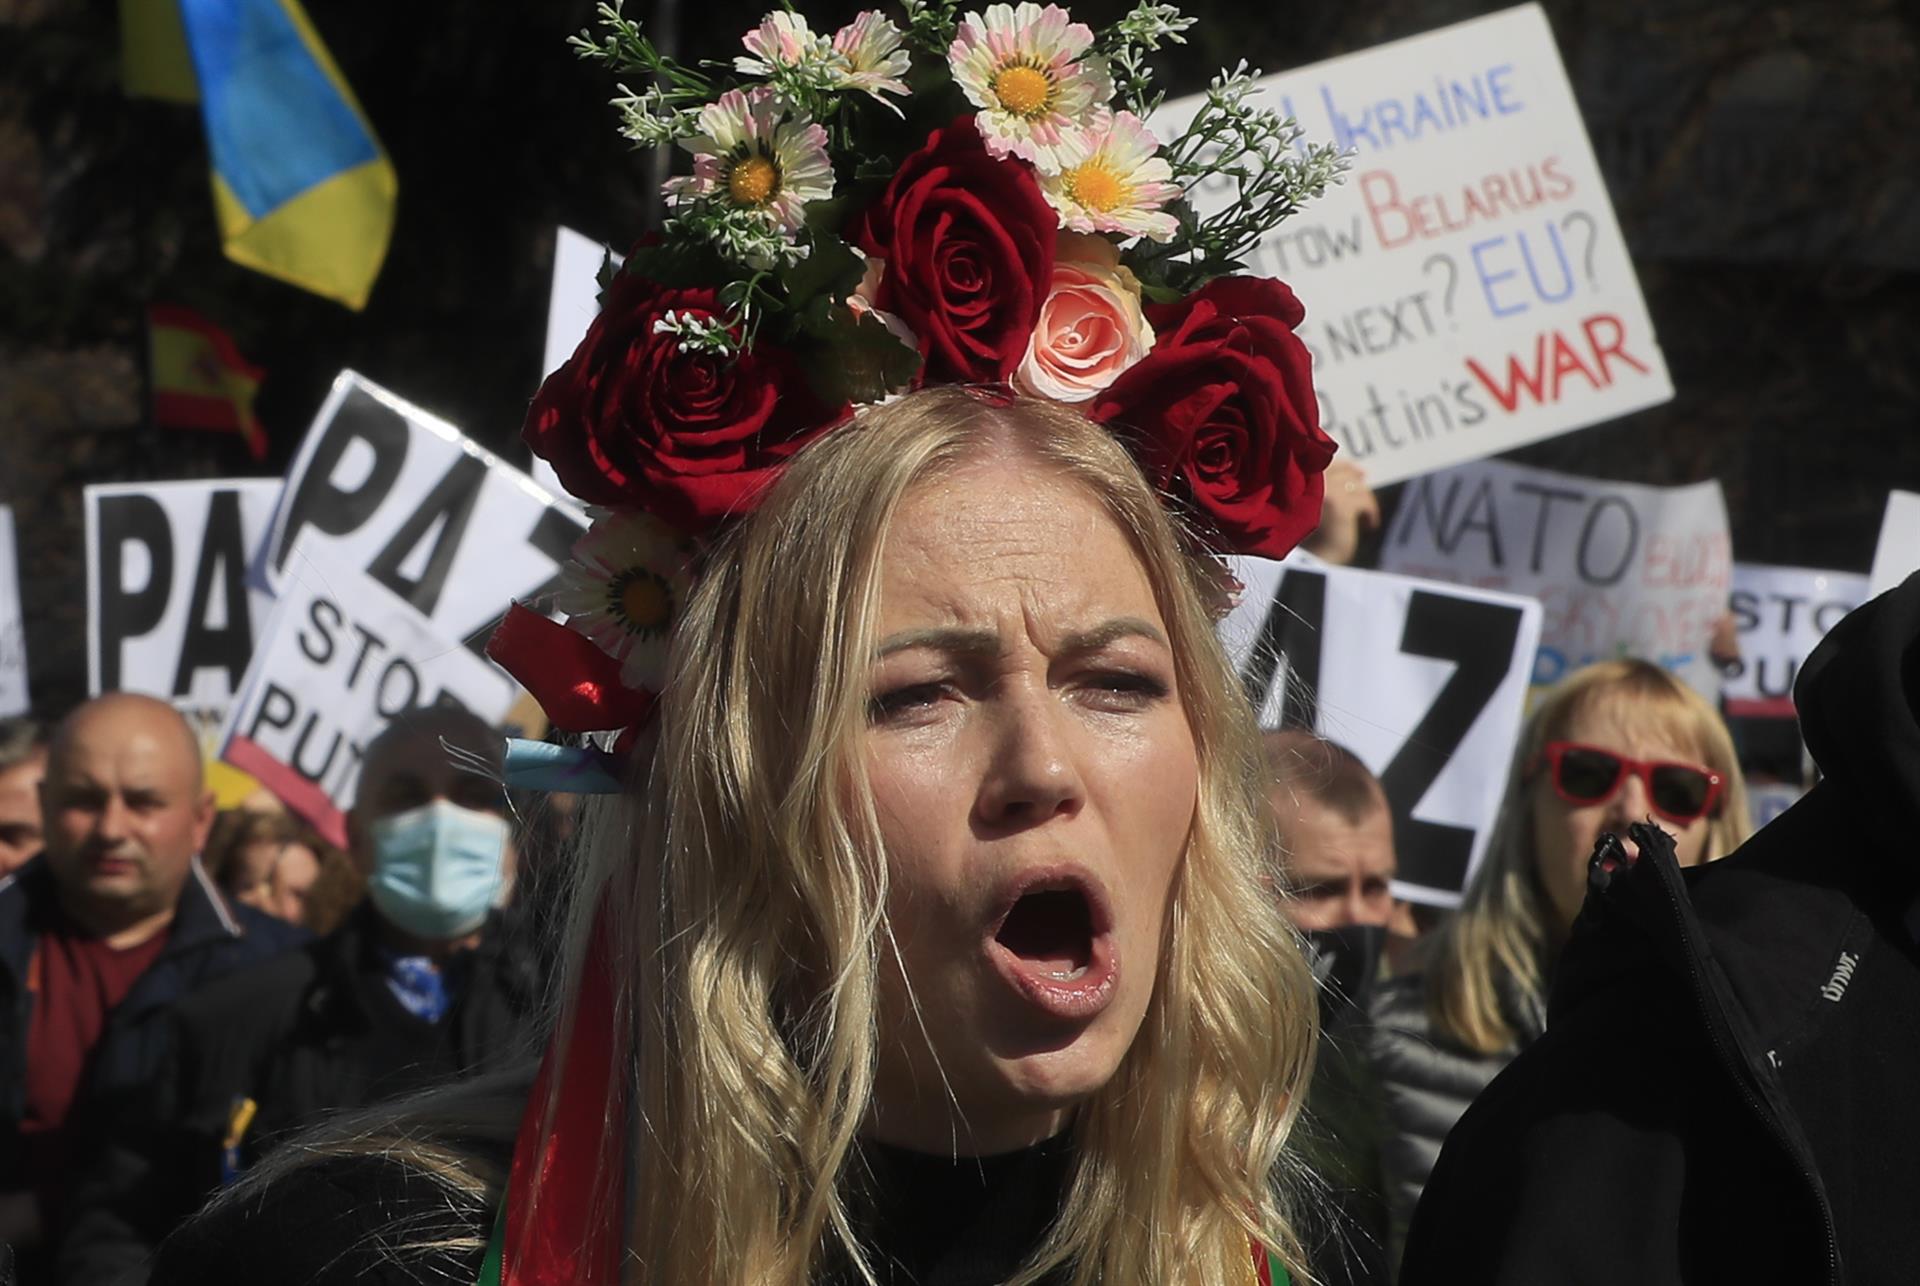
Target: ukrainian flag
302, 188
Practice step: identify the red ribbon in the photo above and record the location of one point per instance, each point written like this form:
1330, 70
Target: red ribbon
576, 683
566, 1195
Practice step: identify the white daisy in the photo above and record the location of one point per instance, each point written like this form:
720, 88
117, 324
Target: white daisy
624, 589
783, 40
875, 60
752, 154
1022, 67
1112, 180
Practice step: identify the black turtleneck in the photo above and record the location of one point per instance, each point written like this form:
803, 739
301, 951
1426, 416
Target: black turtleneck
927, 1220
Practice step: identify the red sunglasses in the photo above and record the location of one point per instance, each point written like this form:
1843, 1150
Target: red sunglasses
1679, 792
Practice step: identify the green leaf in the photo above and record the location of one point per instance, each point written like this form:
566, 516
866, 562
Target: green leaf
825, 218
675, 263
831, 269
856, 358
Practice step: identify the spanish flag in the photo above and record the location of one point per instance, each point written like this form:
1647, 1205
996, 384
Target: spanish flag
200, 381
301, 186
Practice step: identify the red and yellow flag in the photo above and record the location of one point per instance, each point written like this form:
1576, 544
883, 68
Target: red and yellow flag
200, 381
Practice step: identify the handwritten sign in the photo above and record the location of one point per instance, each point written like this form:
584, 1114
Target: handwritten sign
13, 630
1423, 681
1467, 289
169, 610
1782, 613
1620, 569
383, 487
1897, 555
341, 655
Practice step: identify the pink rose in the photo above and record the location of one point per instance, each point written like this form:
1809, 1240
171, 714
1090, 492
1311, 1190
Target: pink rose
860, 302
1091, 327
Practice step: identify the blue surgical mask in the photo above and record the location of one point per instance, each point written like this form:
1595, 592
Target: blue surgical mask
436, 868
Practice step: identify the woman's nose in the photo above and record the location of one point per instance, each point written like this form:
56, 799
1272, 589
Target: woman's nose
1629, 803
1031, 775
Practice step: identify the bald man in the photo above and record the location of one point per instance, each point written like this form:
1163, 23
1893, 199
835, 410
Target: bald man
99, 935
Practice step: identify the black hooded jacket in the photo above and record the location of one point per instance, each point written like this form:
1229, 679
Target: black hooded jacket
1724, 1092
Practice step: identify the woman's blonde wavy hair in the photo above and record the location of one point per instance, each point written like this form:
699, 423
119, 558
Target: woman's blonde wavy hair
748, 884
1505, 923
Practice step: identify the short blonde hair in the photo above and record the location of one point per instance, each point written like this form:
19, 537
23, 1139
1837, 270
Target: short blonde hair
749, 876
1503, 923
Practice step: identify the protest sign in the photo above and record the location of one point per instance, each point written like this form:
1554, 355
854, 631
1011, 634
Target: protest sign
1423, 682
1782, 612
382, 487
341, 655
1467, 288
1767, 800
572, 304
1897, 555
13, 625
1620, 569
169, 610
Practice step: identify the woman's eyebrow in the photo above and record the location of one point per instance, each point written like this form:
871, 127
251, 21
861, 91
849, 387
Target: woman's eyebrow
1120, 627
975, 642
953, 639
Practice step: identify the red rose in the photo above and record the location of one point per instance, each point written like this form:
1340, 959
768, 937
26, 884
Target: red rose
1223, 410
631, 420
968, 243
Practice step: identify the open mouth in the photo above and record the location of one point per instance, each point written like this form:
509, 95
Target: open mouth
1051, 932
1054, 944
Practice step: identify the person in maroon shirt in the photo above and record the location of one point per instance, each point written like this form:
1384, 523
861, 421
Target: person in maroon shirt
114, 911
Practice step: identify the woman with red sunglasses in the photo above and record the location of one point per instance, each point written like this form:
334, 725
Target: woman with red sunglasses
1615, 743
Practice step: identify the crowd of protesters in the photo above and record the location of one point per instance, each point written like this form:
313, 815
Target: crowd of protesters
183, 990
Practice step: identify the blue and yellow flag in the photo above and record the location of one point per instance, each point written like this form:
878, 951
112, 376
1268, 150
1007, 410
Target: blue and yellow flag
302, 188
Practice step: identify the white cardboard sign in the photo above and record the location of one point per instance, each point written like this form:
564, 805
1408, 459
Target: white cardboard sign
1897, 555
169, 609
341, 655
1424, 682
1767, 800
1620, 569
13, 625
384, 488
1782, 613
1467, 288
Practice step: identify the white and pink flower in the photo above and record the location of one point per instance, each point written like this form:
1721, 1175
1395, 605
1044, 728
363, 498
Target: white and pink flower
1025, 69
870, 44
753, 153
1112, 179
625, 588
782, 40
1092, 325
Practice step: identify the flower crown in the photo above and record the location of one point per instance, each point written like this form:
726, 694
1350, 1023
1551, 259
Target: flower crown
963, 199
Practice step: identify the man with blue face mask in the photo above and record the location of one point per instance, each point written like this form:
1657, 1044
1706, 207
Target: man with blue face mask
420, 985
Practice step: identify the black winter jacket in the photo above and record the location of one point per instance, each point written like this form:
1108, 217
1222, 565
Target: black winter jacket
210, 937
314, 1033
1724, 1089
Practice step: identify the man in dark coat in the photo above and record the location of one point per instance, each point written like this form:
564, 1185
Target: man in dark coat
421, 985
99, 936
1724, 1090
